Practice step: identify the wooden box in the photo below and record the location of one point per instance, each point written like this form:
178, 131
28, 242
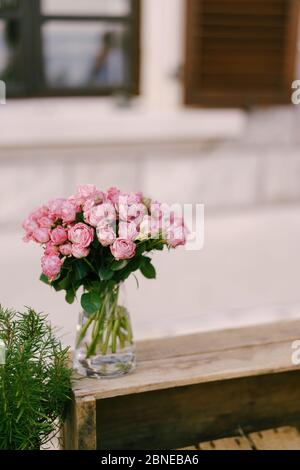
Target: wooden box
191, 389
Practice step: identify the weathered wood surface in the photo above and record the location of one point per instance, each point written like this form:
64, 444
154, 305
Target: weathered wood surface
179, 416
194, 388
285, 438
201, 358
79, 431
231, 443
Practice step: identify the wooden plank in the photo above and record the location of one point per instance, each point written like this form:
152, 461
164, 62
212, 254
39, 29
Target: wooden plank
189, 448
231, 443
193, 369
216, 340
80, 425
285, 438
176, 417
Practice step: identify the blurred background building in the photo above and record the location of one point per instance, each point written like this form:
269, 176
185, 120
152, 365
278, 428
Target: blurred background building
187, 100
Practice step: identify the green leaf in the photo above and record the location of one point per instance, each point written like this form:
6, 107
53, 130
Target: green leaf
118, 265
44, 279
70, 296
135, 263
81, 269
141, 247
91, 285
148, 270
160, 246
79, 217
64, 284
90, 302
105, 273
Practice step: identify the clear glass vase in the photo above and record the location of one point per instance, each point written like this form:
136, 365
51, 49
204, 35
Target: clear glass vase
104, 343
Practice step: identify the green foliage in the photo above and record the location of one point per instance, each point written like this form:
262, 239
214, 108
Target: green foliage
90, 302
105, 273
147, 269
34, 382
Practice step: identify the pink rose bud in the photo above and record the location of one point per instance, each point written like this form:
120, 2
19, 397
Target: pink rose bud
59, 235
128, 231
39, 213
81, 234
132, 213
66, 249
41, 235
30, 224
46, 222
51, 249
51, 266
100, 213
55, 207
130, 198
79, 251
176, 234
106, 235
112, 195
123, 249
68, 212
88, 191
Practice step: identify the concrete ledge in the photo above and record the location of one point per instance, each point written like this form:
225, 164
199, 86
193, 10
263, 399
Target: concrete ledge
97, 121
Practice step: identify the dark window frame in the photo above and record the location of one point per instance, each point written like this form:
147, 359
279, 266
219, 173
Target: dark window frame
32, 19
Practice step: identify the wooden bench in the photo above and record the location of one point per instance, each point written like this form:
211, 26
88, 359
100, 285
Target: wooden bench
192, 389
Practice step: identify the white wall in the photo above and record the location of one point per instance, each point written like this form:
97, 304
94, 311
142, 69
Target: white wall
232, 162
162, 53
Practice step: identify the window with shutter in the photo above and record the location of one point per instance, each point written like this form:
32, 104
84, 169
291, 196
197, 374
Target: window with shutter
240, 52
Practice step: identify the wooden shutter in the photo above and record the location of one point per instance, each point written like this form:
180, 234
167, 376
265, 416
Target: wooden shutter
240, 52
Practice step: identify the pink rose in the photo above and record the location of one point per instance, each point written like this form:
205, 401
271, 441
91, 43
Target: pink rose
176, 233
81, 234
155, 209
59, 235
55, 207
161, 211
29, 225
112, 195
106, 235
51, 249
41, 235
87, 191
35, 221
79, 251
39, 212
149, 228
68, 212
51, 266
123, 249
132, 213
46, 222
128, 231
66, 249
130, 198
102, 213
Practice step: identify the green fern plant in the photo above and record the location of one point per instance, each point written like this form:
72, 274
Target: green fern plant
34, 381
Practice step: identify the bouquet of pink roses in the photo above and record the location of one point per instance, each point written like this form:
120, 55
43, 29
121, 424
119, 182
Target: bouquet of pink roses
94, 240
